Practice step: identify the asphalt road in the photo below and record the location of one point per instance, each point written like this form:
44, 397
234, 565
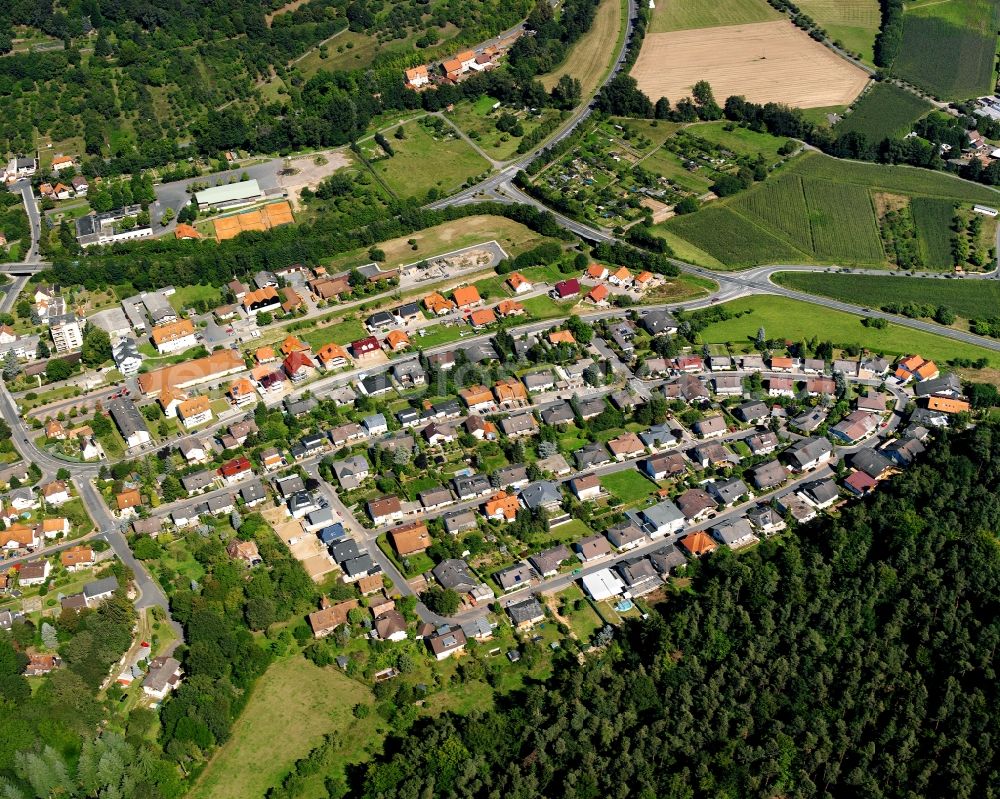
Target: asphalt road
34, 218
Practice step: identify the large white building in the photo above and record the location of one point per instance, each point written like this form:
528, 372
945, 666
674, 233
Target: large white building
174, 337
229, 195
67, 334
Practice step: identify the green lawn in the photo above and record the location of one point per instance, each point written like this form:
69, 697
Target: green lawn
568, 533
676, 16
740, 140
585, 621
796, 320
543, 307
424, 161
342, 333
932, 219
436, 335
629, 485
314, 701
184, 296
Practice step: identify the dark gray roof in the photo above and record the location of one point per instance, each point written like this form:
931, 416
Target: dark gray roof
821, 491
362, 564
198, 480
560, 414
541, 493
98, 587
127, 417
807, 450
253, 491
288, 484
870, 462
947, 383
456, 575
549, 559
667, 558
344, 550
515, 576
471, 486
591, 455
728, 491
525, 612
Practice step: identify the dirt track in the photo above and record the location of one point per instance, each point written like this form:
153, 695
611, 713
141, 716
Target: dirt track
764, 62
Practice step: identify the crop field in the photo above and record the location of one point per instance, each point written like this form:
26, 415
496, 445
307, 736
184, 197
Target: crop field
885, 111
764, 62
842, 220
970, 299
594, 53
733, 239
853, 23
796, 320
424, 161
896, 179
779, 205
948, 48
932, 220
674, 15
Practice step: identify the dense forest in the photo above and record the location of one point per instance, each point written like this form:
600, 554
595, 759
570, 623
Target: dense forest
854, 657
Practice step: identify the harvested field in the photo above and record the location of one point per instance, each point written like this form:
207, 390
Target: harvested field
764, 62
594, 53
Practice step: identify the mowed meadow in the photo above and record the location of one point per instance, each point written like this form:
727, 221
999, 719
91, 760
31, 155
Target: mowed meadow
969, 299
822, 210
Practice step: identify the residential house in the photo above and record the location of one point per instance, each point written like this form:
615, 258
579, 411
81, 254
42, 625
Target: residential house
385, 510
663, 518
253, 493
129, 422
54, 494
626, 535
696, 504
821, 386
565, 289
658, 321
396, 341
512, 477
195, 411
502, 507
586, 488
548, 561
809, 453
480, 429
510, 393
411, 538
526, 614
127, 501
33, 572
438, 434
433, 498
245, 551
712, 454
519, 284
298, 366
711, 427
698, 544
735, 533
780, 387
728, 492
198, 481
592, 548
522, 424
467, 297
855, 426
591, 455
662, 467
860, 484
602, 584
390, 626
763, 443
459, 521
542, 494
96, 592
821, 493
174, 337
351, 472
667, 559
235, 470
875, 464
477, 398
516, 577
765, 520
769, 475
659, 436
558, 414
728, 385
325, 621
445, 641
625, 446
639, 576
